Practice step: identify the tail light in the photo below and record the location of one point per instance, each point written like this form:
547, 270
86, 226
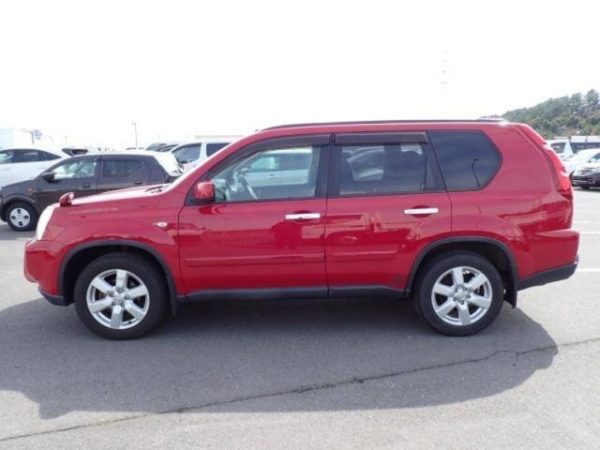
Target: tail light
564, 182
561, 177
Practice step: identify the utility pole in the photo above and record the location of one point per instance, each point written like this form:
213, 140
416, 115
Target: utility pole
135, 131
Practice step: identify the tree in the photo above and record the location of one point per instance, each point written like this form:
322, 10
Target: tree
591, 99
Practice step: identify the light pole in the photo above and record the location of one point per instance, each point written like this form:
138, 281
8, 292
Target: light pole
135, 131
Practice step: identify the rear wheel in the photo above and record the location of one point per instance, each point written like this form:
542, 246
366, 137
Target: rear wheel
459, 294
120, 296
22, 217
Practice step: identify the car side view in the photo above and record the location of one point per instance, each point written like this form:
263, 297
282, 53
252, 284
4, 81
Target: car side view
444, 212
18, 164
22, 203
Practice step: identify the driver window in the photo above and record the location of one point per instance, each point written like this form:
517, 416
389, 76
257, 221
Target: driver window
273, 174
73, 170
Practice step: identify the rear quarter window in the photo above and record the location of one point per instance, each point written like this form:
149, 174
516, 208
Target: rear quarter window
468, 159
121, 168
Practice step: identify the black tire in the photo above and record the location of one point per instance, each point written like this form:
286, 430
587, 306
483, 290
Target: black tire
439, 266
143, 269
585, 188
17, 209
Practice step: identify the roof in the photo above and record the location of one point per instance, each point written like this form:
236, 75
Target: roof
377, 122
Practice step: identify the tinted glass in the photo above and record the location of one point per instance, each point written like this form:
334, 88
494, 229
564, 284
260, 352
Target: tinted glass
77, 169
270, 174
383, 169
213, 148
467, 159
25, 156
6, 156
45, 156
121, 168
188, 153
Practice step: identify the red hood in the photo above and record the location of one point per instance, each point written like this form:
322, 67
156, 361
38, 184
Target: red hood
121, 194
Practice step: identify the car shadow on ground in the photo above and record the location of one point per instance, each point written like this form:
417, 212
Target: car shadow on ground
259, 356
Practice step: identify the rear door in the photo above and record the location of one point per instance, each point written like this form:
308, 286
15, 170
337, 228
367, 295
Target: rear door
27, 163
118, 172
6, 157
386, 201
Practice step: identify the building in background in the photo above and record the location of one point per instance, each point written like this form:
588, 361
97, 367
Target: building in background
19, 137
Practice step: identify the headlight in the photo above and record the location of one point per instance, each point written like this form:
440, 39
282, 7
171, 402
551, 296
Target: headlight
43, 222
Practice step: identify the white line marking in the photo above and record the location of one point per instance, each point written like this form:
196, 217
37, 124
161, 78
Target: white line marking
589, 269
589, 233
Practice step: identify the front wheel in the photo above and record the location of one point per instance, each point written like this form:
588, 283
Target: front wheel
120, 296
22, 217
459, 294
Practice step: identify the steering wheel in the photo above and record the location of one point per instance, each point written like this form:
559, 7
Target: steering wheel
246, 185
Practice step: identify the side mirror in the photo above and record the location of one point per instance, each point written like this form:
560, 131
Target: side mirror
204, 192
49, 177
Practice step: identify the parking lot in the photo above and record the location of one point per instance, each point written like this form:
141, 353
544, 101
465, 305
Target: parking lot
353, 373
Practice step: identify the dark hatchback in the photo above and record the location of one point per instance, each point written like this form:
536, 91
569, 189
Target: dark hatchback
22, 203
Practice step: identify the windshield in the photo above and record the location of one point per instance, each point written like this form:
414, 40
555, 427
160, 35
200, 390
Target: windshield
584, 155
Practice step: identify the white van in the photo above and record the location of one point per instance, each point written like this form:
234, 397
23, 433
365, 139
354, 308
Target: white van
192, 154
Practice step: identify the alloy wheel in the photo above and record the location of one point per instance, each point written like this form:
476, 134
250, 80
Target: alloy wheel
118, 299
461, 296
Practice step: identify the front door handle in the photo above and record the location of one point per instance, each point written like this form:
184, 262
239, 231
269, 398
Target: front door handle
86, 186
303, 216
138, 182
421, 211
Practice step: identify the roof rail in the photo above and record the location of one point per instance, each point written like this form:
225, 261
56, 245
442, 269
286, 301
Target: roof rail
370, 122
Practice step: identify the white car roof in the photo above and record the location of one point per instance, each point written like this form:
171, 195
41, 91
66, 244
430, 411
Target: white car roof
54, 151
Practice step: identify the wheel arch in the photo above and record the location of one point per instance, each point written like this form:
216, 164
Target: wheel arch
6, 204
80, 256
493, 250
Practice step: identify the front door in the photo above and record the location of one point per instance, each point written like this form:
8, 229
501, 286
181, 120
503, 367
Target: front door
264, 235
78, 175
386, 201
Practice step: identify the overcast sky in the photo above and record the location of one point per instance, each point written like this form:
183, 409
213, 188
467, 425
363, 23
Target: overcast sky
87, 69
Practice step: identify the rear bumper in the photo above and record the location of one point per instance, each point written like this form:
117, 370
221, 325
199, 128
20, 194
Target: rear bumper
549, 276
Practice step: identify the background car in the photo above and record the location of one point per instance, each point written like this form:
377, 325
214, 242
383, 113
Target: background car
162, 146
22, 203
192, 154
19, 164
580, 159
587, 176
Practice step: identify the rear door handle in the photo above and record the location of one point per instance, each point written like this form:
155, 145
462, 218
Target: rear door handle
419, 211
86, 186
303, 216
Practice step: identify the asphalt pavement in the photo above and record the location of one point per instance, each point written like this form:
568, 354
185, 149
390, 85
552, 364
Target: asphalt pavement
356, 373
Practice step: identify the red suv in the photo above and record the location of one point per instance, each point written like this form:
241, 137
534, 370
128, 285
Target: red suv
457, 215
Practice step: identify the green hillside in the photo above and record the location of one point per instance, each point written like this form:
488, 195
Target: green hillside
564, 116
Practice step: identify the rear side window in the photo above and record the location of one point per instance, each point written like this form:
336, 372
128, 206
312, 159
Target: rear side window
384, 169
468, 159
45, 156
213, 148
121, 168
25, 156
